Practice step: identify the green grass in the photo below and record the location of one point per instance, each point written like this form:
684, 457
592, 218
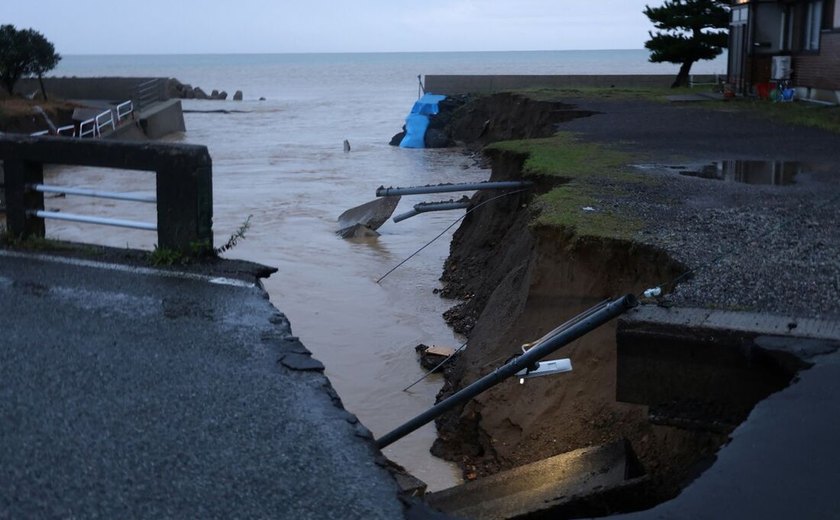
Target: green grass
564, 155
803, 113
646, 93
578, 207
589, 172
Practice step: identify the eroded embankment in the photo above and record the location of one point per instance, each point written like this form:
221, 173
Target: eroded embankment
517, 282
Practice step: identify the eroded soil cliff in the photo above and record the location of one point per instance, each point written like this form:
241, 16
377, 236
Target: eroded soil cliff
516, 281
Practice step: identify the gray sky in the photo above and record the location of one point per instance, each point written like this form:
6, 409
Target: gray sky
257, 26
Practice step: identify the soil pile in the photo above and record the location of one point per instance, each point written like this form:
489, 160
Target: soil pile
18, 116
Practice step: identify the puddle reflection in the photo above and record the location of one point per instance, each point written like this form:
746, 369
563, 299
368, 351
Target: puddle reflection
774, 173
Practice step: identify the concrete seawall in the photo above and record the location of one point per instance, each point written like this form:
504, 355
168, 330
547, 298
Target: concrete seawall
105, 88
464, 84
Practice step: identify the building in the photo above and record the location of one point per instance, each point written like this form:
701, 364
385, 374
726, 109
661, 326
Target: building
795, 40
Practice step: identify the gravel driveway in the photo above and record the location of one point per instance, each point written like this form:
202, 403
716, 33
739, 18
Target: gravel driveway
756, 247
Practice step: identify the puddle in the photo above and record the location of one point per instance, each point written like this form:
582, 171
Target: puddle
775, 173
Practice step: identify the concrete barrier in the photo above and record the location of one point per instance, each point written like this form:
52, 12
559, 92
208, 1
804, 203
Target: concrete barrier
106, 88
183, 177
162, 118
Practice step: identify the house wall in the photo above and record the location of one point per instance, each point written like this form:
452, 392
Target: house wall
821, 71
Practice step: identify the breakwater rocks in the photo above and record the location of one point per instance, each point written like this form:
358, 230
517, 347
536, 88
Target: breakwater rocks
176, 89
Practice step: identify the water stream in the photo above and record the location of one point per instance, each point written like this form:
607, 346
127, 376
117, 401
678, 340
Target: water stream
364, 332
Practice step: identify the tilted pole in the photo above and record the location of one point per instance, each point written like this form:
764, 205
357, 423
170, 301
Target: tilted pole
449, 188
591, 320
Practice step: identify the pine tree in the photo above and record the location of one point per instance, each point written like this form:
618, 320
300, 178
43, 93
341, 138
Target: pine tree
24, 52
687, 31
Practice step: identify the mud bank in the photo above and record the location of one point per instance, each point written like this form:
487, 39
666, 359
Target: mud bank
517, 281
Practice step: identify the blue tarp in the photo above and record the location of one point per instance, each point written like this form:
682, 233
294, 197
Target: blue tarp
418, 120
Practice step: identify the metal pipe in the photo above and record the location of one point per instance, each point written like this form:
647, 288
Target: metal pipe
424, 207
448, 188
45, 188
592, 319
72, 217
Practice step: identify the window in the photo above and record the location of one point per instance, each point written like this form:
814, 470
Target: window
812, 26
802, 24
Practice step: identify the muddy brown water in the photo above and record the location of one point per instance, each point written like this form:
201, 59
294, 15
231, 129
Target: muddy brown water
364, 332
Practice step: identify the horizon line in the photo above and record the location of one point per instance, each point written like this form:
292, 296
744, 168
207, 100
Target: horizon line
335, 52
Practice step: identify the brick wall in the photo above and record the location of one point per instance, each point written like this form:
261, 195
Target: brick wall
820, 70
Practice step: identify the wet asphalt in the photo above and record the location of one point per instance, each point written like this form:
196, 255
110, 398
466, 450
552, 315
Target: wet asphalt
131, 393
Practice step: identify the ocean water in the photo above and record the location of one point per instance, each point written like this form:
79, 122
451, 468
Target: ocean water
280, 161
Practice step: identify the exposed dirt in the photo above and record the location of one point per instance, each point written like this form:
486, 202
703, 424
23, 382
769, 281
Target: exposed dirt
18, 115
516, 282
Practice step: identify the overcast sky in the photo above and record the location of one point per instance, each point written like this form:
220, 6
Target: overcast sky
260, 26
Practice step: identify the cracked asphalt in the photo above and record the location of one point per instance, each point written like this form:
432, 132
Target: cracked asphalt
129, 392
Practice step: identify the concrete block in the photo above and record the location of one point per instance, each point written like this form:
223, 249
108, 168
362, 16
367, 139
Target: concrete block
581, 481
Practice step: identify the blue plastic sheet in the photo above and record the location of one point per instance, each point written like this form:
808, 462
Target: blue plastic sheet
418, 120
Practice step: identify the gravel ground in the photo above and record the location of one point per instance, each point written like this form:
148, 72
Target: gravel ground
749, 247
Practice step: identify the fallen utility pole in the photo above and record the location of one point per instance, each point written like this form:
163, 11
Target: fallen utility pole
588, 321
424, 207
449, 188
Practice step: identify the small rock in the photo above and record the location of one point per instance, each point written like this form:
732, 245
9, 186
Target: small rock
199, 94
237, 96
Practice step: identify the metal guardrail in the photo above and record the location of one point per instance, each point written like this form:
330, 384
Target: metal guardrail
88, 128
148, 92
93, 127
183, 178
90, 219
104, 119
124, 109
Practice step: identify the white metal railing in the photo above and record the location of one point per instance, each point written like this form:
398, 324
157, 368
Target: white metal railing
104, 119
73, 217
93, 127
68, 131
124, 110
716, 80
148, 92
88, 128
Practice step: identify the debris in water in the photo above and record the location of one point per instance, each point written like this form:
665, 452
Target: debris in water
370, 214
432, 356
357, 231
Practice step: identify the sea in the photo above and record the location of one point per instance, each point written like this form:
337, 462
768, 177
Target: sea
279, 165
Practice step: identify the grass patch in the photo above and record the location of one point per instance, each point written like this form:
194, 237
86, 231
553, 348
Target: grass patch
619, 93
578, 207
802, 113
564, 155
593, 172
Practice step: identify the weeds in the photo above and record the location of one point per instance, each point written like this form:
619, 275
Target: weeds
235, 237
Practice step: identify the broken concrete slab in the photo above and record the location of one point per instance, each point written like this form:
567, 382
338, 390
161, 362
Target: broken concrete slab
580, 480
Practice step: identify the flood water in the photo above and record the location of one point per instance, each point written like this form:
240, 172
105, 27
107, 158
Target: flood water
364, 332
281, 161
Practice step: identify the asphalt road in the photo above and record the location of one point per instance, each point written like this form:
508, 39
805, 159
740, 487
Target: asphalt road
132, 393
